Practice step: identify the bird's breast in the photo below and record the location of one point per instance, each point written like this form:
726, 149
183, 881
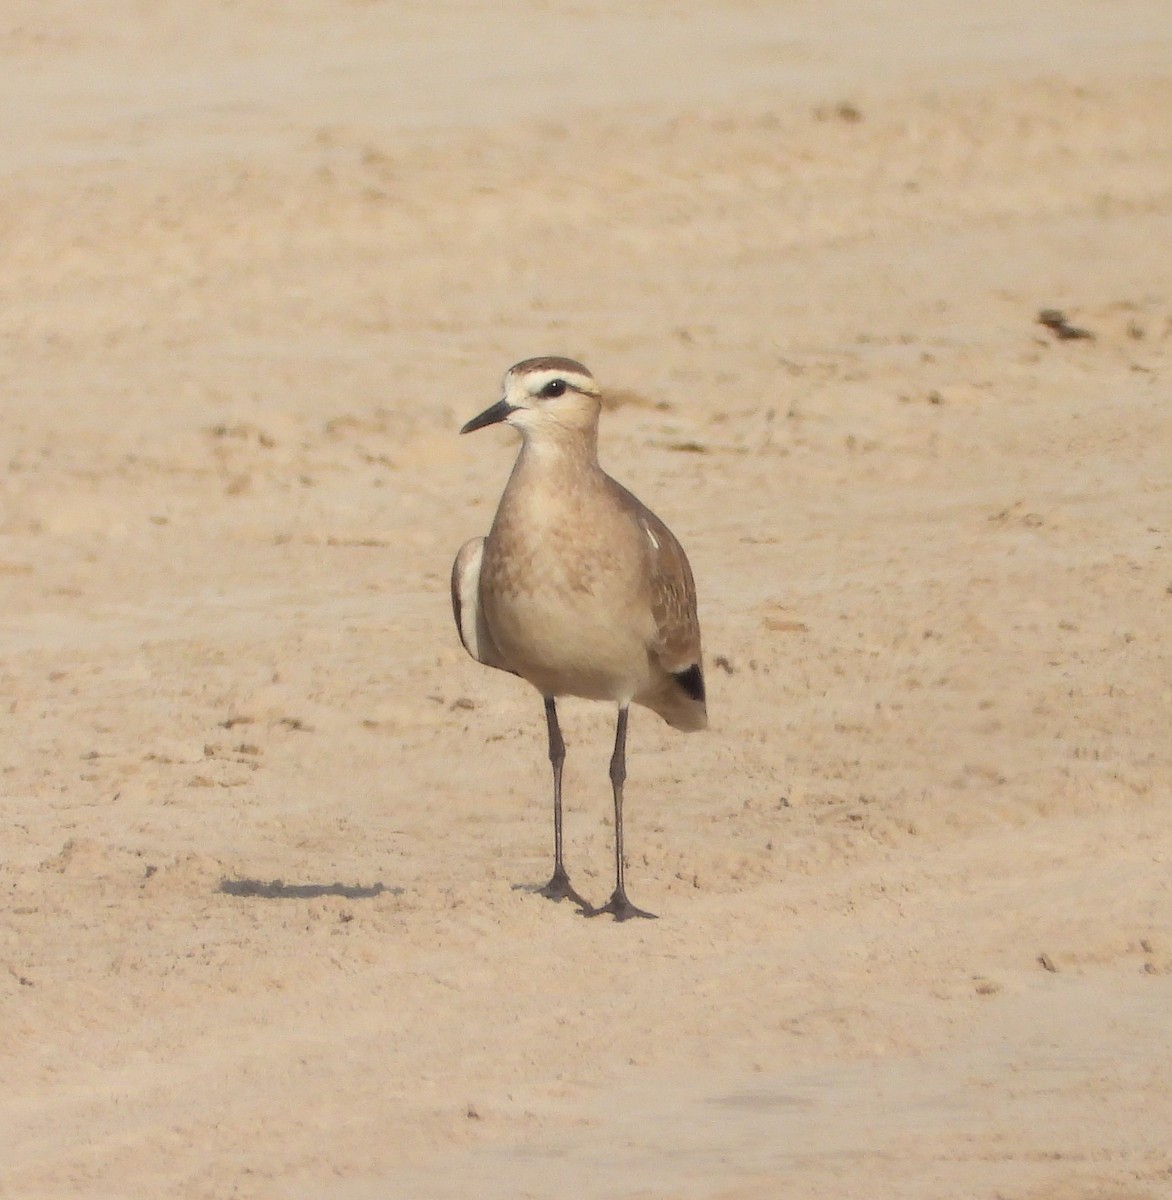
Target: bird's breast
565, 598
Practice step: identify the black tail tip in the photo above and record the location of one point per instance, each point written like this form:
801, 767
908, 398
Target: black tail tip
692, 681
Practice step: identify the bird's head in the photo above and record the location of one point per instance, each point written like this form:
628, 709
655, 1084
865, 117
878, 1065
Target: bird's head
544, 397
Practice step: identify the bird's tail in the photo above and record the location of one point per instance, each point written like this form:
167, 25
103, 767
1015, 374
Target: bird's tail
680, 701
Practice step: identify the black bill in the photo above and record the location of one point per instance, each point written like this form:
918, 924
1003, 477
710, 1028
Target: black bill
498, 412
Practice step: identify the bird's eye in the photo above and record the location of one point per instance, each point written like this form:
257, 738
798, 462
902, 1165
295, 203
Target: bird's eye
555, 387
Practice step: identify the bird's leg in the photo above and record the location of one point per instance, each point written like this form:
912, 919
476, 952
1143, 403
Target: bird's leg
618, 905
559, 887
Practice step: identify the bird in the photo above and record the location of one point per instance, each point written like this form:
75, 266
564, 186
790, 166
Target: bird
578, 588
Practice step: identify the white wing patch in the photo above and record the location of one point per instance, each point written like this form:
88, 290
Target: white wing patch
650, 536
466, 596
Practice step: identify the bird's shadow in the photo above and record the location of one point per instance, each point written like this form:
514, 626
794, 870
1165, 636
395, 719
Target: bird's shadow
278, 889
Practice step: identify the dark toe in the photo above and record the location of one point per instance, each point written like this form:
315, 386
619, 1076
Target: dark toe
620, 908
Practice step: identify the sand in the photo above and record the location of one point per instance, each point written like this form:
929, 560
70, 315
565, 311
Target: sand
265, 927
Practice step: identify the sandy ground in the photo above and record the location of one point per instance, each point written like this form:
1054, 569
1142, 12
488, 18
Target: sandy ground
261, 933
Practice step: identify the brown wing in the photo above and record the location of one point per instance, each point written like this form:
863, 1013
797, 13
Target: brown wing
673, 598
680, 699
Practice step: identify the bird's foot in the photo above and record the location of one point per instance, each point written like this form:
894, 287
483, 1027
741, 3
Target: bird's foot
620, 908
560, 888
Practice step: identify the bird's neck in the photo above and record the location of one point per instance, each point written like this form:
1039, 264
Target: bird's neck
574, 450
550, 478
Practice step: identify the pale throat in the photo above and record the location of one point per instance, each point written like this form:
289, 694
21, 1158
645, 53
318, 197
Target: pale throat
556, 448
